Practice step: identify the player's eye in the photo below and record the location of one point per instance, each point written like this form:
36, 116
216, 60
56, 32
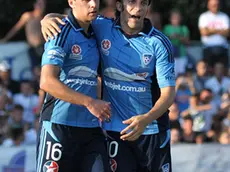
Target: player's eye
132, 1
145, 2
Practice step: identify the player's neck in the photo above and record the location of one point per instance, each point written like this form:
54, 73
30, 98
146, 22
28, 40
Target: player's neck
84, 25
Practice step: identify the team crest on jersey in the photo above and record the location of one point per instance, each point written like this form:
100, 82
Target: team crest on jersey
76, 52
165, 167
50, 166
113, 165
147, 58
105, 45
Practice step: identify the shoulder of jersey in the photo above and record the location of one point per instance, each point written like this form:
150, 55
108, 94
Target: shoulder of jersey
156, 34
62, 36
101, 17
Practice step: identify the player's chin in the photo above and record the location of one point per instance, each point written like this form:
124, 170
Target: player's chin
92, 16
133, 25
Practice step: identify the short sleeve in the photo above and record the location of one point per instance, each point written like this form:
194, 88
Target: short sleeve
164, 63
53, 54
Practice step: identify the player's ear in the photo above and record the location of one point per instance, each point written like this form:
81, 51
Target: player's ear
71, 2
119, 6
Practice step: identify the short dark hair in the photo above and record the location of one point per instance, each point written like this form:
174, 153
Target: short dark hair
18, 107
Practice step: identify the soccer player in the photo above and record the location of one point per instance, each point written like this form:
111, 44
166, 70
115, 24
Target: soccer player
139, 80
70, 135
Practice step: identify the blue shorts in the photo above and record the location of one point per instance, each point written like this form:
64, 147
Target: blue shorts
64, 148
149, 153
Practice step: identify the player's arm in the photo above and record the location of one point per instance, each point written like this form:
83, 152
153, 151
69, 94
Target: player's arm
21, 23
166, 81
50, 25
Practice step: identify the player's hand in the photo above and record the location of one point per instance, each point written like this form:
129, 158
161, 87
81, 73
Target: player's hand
136, 127
100, 109
50, 27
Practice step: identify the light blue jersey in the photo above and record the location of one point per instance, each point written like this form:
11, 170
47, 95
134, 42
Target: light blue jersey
77, 56
134, 69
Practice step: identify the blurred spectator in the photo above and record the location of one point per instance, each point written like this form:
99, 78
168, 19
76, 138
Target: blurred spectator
202, 120
5, 76
28, 100
175, 136
224, 138
4, 114
188, 136
16, 117
214, 29
219, 84
31, 134
16, 137
225, 101
174, 116
200, 138
226, 121
31, 21
179, 36
183, 93
109, 10
154, 17
200, 77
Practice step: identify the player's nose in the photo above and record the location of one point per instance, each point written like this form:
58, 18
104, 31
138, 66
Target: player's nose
93, 4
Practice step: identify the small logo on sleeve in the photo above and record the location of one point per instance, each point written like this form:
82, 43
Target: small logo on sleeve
105, 46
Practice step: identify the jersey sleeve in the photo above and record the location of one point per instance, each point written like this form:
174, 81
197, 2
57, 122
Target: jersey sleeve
54, 53
164, 63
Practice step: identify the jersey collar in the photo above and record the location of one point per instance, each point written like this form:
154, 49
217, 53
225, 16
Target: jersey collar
77, 27
144, 32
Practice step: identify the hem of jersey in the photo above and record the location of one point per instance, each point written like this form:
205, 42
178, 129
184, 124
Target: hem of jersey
167, 85
83, 125
144, 133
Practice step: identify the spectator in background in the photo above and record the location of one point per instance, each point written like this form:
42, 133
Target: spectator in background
179, 35
202, 120
200, 77
174, 115
175, 136
188, 136
16, 117
3, 117
200, 138
224, 138
183, 93
31, 134
154, 17
219, 84
214, 29
109, 10
16, 137
28, 100
31, 22
226, 121
5, 76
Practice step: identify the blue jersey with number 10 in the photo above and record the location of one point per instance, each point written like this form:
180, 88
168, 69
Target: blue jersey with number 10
134, 69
